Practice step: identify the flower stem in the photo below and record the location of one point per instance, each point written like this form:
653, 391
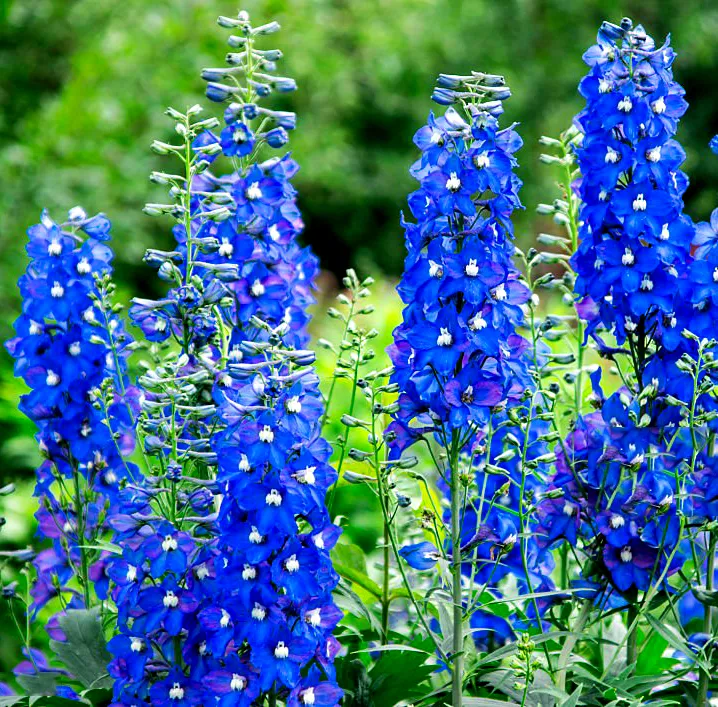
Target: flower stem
707, 617
457, 657
632, 641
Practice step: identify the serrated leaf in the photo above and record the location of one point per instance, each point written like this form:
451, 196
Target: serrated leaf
84, 652
485, 702
38, 684
398, 675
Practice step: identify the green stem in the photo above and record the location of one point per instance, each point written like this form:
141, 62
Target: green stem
570, 644
457, 657
385, 589
632, 640
705, 677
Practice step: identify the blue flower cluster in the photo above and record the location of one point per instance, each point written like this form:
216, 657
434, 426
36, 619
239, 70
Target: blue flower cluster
456, 354
71, 351
276, 578
195, 627
624, 482
634, 237
458, 361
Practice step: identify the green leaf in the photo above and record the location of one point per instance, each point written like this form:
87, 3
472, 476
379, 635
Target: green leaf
350, 555
13, 701
358, 578
84, 652
675, 640
486, 702
38, 684
398, 675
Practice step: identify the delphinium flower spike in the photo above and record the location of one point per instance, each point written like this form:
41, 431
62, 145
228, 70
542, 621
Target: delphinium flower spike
71, 350
459, 363
236, 265
621, 483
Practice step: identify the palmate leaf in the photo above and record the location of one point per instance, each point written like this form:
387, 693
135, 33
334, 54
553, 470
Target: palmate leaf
84, 651
38, 684
398, 676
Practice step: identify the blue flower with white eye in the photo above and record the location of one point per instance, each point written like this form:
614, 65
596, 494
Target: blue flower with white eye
420, 556
237, 140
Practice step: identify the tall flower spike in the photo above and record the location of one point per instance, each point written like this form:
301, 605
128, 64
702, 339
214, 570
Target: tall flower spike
276, 578
634, 236
237, 273
71, 350
458, 361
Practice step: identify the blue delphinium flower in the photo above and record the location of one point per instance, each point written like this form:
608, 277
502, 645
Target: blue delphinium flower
235, 274
458, 360
634, 236
621, 484
274, 530
70, 349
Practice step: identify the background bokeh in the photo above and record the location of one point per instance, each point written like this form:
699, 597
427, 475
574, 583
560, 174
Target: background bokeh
85, 83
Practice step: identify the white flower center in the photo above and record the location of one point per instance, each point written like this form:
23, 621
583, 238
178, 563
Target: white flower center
659, 106
292, 564
308, 696
499, 294
477, 322
626, 554
435, 269
617, 522
239, 136
224, 621
625, 105
137, 645
640, 203
255, 537
238, 683
170, 599
568, 509
259, 612
665, 233
249, 572
604, 86
654, 155
647, 283
281, 651
169, 543
273, 498
257, 288
612, 156
84, 267
306, 476
176, 692
52, 379
54, 247
629, 324
253, 192
160, 324
471, 269
453, 183
244, 463
131, 575
266, 434
226, 248
293, 405
57, 290
75, 348
715, 275
274, 233
628, 258
444, 338
481, 161
201, 572
602, 195
314, 617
